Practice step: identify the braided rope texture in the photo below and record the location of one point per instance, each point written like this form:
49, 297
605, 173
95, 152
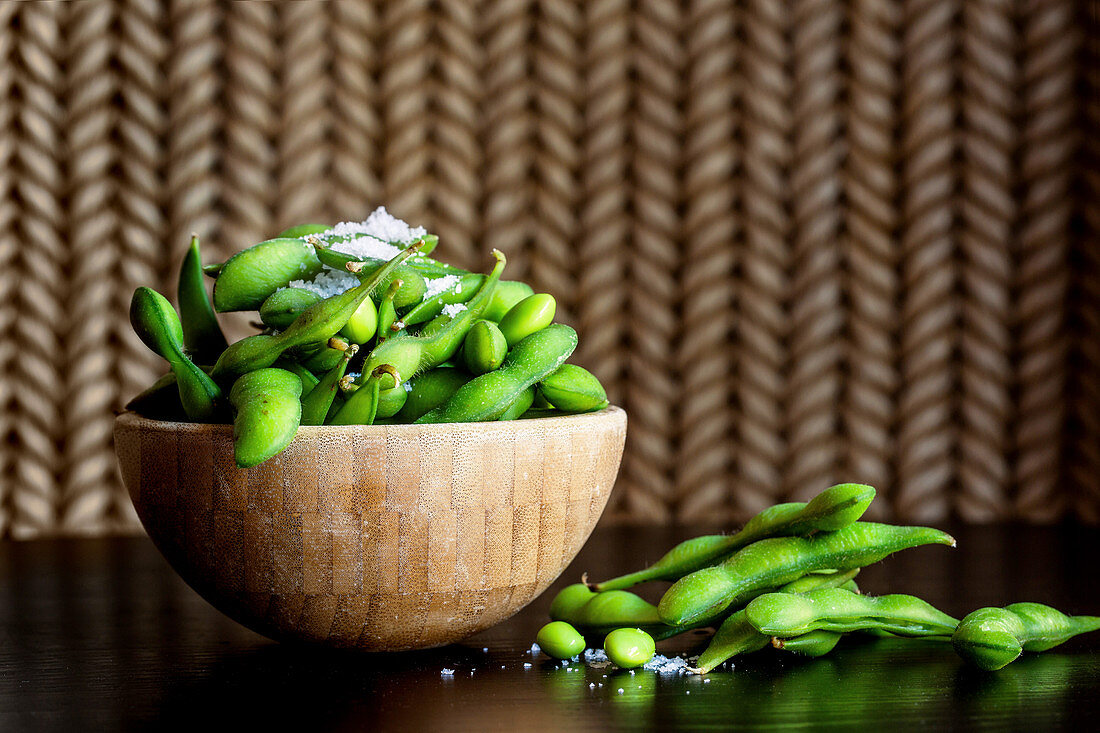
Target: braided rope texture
803, 242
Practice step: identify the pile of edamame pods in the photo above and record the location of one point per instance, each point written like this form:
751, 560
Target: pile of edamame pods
358, 326
787, 580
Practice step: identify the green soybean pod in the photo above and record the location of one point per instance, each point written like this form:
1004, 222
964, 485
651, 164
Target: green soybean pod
157, 325
302, 231
268, 411
811, 644
308, 379
390, 401
443, 291
519, 406
412, 286
991, 638
573, 389
430, 390
778, 560
202, 336
506, 295
317, 402
531, 314
282, 307
484, 348
387, 311
629, 648
159, 400
838, 610
361, 407
322, 360
488, 396
249, 277
834, 508
363, 324
560, 640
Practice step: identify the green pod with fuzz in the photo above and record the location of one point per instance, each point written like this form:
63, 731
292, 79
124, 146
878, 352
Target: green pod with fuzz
249, 277
157, 325
812, 644
412, 287
530, 315
573, 389
841, 611
429, 390
282, 307
519, 406
268, 410
991, 638
507, 294
202, 336
302, 231
484, 348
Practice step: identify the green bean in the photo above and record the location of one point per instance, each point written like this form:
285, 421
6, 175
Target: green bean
484, 348
778, 560
991, 638
560, 640
202, 336
316, 324
573, 389
318, 401
488, 396
836, 507
409, 355
430, 390
811, 644
268, 411
249, 277
841, 611
157, 325
528, 316
629, 648
284, 305
519, 406
737, 636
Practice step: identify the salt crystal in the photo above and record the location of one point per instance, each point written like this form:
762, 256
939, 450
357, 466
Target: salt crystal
453, 309
620, 690
592, 685
527, 665
373, 237
327, 283
441, 285
447, 672
535, 649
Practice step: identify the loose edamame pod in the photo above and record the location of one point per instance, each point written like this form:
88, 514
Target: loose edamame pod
835, 507
573, 389
315, 325
268, 411
430, 390
811, 644
317, 402
991, 638
841, 611
157, 325
560, 640
488, 396
286, 304
528, 316
202, 336
629, 648
484, 348
309, 381
778, 560
249, 277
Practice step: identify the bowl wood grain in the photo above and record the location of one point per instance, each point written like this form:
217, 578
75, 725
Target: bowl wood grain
380, 538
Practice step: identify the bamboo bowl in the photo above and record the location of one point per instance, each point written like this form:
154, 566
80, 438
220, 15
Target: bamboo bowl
379, 538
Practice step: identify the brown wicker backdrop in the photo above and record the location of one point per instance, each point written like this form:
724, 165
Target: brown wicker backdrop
803, 241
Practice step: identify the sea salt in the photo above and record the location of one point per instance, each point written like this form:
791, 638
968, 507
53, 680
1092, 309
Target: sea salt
527, 665
667, 665
441, 285
535, 649
447, 672
453, 309
374, 237
327, 283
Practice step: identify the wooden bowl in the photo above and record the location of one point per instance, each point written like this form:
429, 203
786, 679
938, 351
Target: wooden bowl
379, 538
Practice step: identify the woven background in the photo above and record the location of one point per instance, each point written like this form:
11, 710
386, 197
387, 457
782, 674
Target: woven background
803, 241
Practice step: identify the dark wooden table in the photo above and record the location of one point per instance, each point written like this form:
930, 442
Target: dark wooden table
101, 634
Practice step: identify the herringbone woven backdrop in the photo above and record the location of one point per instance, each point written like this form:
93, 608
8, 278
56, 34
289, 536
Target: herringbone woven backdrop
803, 242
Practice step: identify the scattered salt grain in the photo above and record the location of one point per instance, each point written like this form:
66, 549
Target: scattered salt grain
706, 681
441, 285
667, 665
409, 388
620, 690
527, 665
375, 237
592, 685
535, 649
447, 672
453, 309
327, 283
484, 648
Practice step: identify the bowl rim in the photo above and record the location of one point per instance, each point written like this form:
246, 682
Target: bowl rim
136, 419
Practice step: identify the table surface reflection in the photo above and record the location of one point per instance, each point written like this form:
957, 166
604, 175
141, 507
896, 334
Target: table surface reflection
102, 634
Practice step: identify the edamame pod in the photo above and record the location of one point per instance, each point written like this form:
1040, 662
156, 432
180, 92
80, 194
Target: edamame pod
317, 324
507, 294
282, 307
390, 401
361, 407
202, 336
430, 390
528, 316
302, 231
157, 325
488, 396
841, 611
322, 360
387, 311
268, 411
991, 638
317, 402
159, 400
812, 644
484, 348
778, 560
519, 406
835, 507
249, 277
308, 379
363, 324
447, 290
573, 389
412, 287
